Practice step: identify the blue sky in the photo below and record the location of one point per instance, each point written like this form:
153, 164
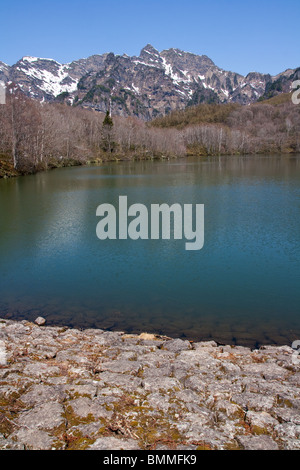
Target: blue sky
241, 36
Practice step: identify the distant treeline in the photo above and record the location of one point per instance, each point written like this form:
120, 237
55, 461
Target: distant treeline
271, 126
36, 136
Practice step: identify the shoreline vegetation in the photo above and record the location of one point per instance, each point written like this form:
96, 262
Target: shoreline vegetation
38, 136
69, 389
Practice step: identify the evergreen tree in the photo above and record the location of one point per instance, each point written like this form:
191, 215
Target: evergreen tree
107, 133
108, 120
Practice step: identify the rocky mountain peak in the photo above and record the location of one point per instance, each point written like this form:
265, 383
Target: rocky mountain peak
110, 58
149, 55
149, 49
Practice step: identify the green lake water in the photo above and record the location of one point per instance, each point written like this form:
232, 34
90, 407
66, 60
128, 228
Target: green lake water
243, 287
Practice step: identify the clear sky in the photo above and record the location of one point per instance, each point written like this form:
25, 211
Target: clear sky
242, 36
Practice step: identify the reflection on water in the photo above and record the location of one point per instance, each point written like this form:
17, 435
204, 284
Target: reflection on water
241, 288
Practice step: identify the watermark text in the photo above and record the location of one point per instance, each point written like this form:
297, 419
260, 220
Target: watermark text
296, 94
2, 92
296, 356
163, 222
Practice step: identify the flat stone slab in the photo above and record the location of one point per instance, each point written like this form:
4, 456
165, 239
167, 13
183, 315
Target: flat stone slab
47, 416
113, 443
258, 443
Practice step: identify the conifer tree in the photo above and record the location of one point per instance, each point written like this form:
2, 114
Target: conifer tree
108, 120
107, 133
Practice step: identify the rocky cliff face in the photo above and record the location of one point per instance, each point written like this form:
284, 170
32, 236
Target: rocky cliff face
146, 86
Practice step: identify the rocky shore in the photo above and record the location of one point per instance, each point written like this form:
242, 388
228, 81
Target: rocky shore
66, 389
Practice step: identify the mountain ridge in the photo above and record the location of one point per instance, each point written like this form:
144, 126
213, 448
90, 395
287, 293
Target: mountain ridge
149, 85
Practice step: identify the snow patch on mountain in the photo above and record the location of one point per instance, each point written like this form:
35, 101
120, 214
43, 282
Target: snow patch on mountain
52, 78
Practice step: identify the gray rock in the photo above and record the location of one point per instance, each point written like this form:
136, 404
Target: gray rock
41, 370
163, 383
257, 443
266, 371
261, 422
254, 401
203, 431
47, 416
177, 345
88, 390
40, 394
289, 435
201, 359
40, 321
123, 381
113, 443
89, 430
120, 366
164, 370
288, 415
231, 410
84, 407
10, 444
195, 383
35, 439
158, 401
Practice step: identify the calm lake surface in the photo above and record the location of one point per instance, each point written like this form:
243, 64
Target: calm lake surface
243, 287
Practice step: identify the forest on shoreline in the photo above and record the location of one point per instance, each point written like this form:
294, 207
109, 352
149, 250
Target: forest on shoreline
38, 136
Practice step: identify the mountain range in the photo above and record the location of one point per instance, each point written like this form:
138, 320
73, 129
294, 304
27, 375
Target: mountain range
149, 85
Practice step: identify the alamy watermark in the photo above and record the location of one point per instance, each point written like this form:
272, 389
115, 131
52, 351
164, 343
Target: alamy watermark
2, 93
163, 222
296, 354
296, 94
